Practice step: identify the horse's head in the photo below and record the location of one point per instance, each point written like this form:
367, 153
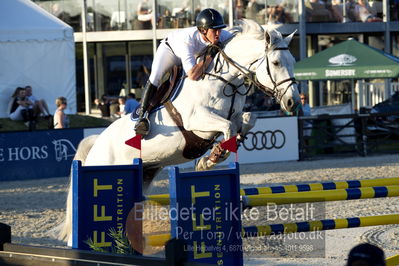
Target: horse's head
276, 71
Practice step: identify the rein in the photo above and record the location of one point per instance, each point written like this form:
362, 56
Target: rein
251, 76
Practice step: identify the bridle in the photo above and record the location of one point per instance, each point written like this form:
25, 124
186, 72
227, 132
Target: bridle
251, 75
275, 91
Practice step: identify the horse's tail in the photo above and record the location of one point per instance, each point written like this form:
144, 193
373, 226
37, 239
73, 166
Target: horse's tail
65, 228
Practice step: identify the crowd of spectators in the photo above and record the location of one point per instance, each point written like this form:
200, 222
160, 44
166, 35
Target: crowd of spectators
116, 107
284, 11
108, 17
333, 11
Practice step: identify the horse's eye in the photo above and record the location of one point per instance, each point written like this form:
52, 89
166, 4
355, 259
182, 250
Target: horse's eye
276, 63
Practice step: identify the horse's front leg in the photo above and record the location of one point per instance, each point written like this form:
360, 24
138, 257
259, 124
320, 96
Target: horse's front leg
241, 123
247, 121
204, 120
244, 122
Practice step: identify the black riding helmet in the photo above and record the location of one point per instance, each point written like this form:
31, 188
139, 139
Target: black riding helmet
210, 18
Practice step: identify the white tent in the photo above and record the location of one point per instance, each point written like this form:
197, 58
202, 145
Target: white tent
36, 49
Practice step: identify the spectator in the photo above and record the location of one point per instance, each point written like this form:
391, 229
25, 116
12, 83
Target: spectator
103, 104
363, 12
306, 112
394, 10
144, 14
278, 15
113, 108
239, 9
61, 120
305, 106
252, 10
131, 103
19, 108
121, 101
39, 106
366, 255
317, 11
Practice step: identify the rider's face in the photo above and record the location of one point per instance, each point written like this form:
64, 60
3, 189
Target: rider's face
213, 35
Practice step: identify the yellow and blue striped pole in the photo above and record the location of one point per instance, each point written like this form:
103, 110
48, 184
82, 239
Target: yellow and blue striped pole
163, 199
392, 261
321, 186
320, 196
320, 225
308, 226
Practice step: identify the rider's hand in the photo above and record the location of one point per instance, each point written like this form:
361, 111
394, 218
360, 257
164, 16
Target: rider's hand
214, 49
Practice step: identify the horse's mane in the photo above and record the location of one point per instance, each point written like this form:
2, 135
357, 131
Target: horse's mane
246, 28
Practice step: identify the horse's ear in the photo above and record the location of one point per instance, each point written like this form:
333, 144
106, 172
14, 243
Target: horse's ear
268, 38
272, 37
289, 38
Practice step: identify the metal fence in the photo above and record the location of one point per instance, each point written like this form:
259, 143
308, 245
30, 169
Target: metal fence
361, 134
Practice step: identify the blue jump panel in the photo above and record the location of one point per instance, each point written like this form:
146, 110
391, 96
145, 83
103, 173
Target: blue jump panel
206, 214
103, 196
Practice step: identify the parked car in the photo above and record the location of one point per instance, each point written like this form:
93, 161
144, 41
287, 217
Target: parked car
386, 123
388, 106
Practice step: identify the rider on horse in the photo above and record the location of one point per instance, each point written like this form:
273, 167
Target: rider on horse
183, 47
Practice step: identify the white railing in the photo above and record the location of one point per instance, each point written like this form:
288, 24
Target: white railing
375, 92
394, 87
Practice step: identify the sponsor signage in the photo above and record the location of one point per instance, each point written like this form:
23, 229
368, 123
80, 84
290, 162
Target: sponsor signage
102, 198
207, 214
342, 60
39, 154
271, 140
340, 73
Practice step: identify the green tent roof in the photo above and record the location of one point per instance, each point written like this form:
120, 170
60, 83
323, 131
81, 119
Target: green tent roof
348, 60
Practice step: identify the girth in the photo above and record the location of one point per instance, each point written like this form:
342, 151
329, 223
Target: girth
195, 146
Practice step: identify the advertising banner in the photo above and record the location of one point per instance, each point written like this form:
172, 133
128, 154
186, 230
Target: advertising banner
206, 212
40, 154
103, 197
37, 154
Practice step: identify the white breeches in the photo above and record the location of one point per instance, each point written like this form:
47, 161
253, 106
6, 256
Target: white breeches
164, 60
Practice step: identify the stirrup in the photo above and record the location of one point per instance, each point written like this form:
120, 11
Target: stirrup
142, 126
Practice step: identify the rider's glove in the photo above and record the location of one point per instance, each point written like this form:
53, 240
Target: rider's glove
214, 49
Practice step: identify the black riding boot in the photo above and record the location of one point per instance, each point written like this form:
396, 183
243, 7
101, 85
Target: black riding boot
142, 126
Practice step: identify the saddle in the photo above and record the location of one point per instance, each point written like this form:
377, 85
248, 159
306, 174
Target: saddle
195, 146
167, 91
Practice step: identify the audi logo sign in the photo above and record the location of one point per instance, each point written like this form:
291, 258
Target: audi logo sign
272, 139
264, 140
